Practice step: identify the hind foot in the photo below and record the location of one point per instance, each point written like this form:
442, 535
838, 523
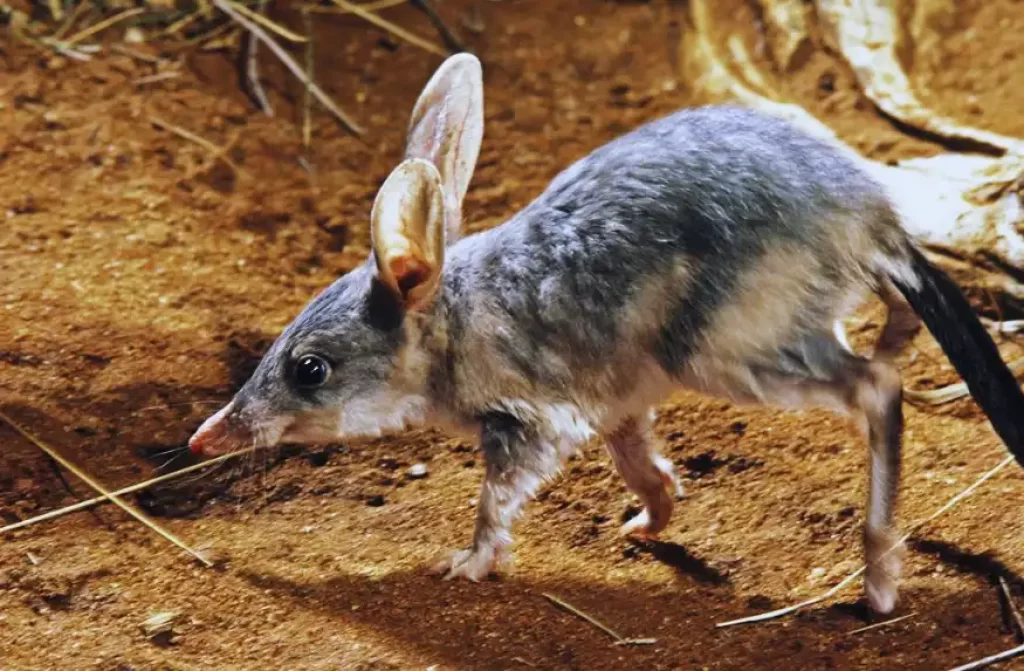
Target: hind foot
881, 578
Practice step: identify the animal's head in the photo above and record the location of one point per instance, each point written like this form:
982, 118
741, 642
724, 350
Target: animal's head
351, 363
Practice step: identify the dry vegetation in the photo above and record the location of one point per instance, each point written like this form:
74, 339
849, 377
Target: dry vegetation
176, 181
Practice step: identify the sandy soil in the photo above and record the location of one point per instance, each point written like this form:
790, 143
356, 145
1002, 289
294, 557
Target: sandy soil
141, 280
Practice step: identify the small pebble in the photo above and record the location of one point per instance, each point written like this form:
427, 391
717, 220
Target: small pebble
160, 627
375, 501
417, 471
133, 35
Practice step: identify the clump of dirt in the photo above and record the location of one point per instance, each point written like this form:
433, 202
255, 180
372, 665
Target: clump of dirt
143, 278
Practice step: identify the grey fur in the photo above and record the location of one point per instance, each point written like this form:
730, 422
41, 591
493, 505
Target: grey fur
713, 249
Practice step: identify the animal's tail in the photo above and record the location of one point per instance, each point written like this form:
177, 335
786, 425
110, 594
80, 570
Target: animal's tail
951, 320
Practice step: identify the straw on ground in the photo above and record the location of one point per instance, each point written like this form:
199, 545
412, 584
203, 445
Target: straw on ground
84, 477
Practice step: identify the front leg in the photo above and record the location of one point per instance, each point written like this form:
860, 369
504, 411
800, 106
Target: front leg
519, 458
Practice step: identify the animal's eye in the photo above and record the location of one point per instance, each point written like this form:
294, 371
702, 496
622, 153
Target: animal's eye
311, 371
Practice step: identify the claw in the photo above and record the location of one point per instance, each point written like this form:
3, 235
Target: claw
473, 564
639, 528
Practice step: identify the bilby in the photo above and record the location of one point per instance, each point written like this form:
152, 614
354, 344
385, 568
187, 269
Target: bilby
714, 249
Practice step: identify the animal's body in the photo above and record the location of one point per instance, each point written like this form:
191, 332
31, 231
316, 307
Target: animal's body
715, 249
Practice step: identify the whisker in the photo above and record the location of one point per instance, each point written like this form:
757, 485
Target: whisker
174, 450
203, 474
177, 405
170, 461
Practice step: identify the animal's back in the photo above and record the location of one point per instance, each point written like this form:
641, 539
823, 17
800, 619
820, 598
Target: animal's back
714, 232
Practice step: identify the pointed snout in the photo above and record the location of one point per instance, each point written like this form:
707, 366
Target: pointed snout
216, 435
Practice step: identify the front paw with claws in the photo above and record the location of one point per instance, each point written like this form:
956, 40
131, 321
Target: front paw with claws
473, 564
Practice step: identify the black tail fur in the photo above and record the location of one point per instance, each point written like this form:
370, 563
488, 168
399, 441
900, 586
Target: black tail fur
951, 320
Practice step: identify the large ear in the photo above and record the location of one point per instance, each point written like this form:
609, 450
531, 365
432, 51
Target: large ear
446, 128
407, 227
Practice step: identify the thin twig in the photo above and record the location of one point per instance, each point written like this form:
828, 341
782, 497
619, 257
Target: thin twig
217, 152
879, 625
451, 40
72, 17
853, 576
158, 77
1007, 327
307, 98
954, 391
999, 657
138, 55
580, 614
208, 36
81, 475
324, 99
102, 25
253, 72
259, 18
619, 640
369, 6
176, 27
1012, 607
139, 486
390, 27
79, 54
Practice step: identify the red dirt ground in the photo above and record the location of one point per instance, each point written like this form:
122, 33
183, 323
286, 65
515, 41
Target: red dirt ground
141, 280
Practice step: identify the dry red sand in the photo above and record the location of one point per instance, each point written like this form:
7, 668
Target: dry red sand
141, 280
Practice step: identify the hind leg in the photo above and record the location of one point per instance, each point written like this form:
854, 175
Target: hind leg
823, 372
649, 475
901, 325
878, 395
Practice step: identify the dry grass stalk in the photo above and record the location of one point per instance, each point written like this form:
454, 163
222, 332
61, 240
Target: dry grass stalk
84, 477
138, 55
76, 14
103, 25
879, 625
218, 153
252, 69
1012, 607
451, 40
290, 63
137, 487
856, 574
208, 36
176, 27
988, 661
619, 640
369, 7
259, 18
954, 391
307, 98
158, 77
396, 30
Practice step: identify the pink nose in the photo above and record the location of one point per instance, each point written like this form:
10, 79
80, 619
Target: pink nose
195, 443
212, 433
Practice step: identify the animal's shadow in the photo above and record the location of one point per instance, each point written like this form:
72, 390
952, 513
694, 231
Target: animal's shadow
679, 558
508, 623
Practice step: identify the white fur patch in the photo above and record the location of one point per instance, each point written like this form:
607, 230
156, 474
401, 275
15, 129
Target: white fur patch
567, 424
386, 411
840, 332
898, 269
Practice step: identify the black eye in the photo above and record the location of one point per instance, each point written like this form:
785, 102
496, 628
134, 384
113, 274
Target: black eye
311, 371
